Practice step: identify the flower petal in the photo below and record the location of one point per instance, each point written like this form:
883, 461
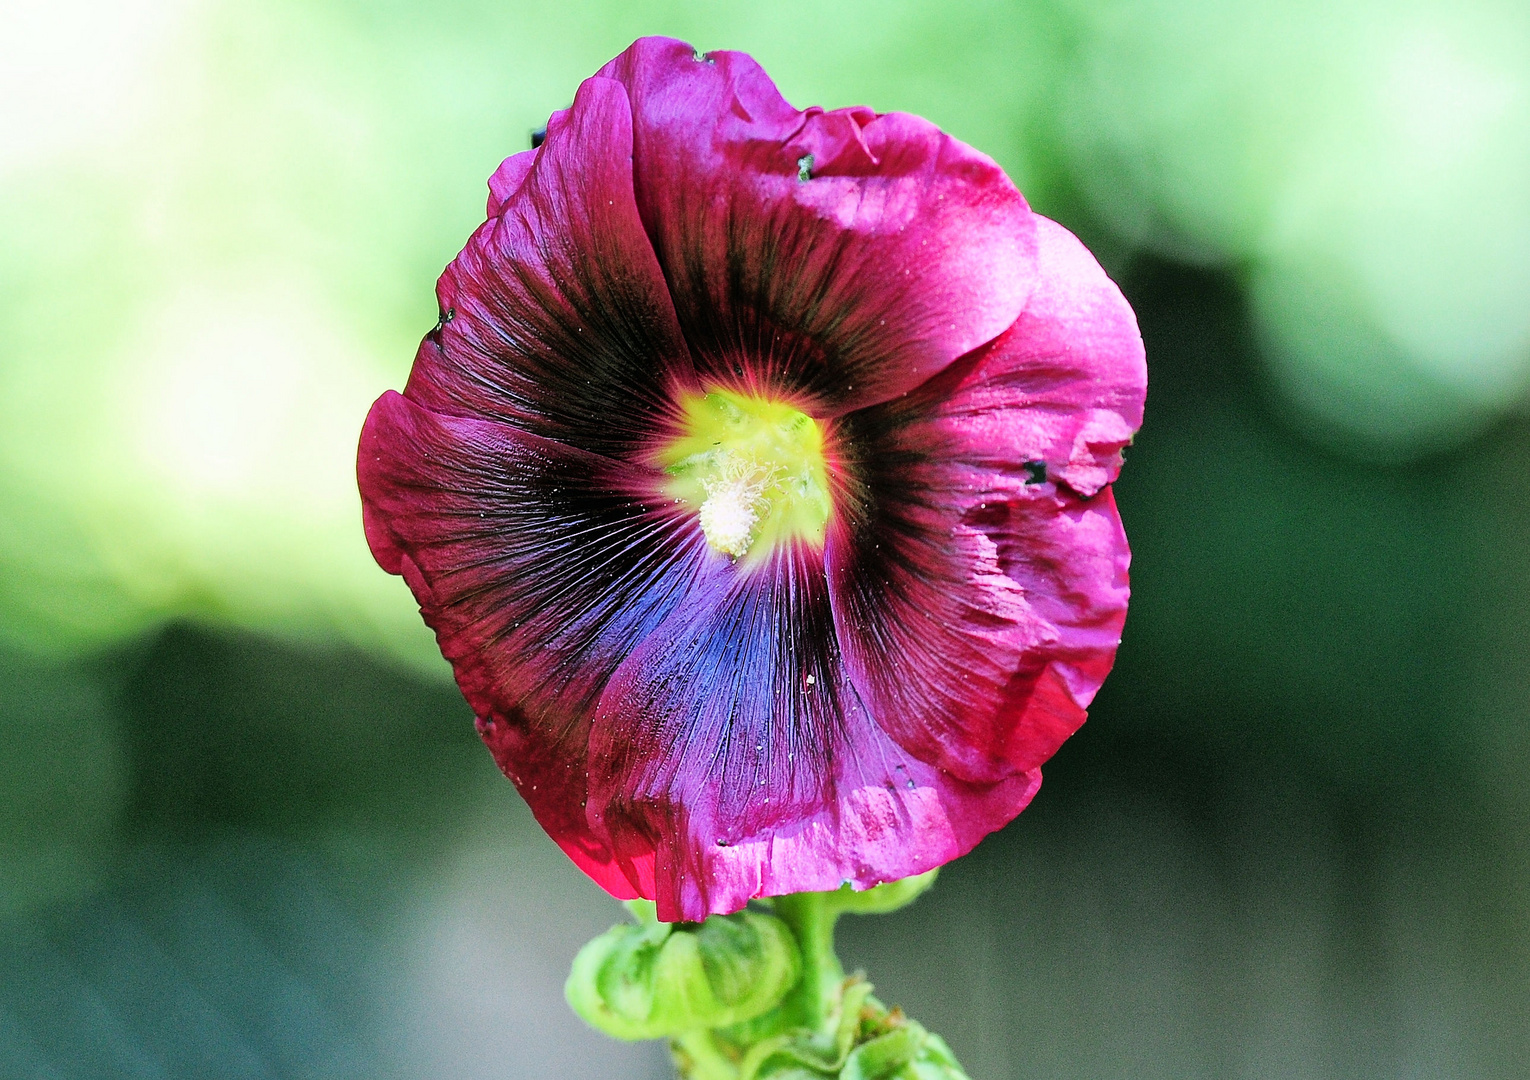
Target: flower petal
840, 257
555, 317
979, 570
507, 180
1061, 391
731, 757
539, 567
978, 626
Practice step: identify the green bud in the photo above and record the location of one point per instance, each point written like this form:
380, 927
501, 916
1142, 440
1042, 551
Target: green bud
885, 1056
657, 980
882, 898
908, 1052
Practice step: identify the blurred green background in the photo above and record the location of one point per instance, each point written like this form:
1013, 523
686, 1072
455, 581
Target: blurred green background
245, 826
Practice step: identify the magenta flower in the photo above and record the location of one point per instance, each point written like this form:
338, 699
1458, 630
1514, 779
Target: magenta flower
755, 483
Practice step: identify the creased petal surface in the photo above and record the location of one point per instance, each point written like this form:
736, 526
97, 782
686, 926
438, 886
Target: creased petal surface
1064, 386
647, 700
540, 567
731, 757
555, 317
980, 569
841, 257
507, 180
700, 731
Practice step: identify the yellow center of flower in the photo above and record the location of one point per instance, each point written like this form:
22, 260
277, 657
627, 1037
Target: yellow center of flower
753, 470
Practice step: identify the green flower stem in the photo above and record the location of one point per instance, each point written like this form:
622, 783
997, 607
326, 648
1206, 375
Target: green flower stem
811, 917
706, 1061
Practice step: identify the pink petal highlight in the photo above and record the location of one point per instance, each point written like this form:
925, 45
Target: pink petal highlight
507, 180
981, 588
1064, 385
846, 256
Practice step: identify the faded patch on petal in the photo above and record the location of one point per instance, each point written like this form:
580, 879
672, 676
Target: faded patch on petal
844, 257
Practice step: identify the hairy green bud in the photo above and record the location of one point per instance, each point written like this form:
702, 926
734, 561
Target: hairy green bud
656, 980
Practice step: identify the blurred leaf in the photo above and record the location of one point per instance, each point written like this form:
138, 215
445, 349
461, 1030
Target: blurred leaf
1369, 162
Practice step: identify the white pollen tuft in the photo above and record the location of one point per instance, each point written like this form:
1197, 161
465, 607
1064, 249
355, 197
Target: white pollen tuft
732, 507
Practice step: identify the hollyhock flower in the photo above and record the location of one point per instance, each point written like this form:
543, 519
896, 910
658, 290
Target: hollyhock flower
755, 483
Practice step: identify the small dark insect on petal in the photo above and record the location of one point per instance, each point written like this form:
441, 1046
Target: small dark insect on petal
805, 168
1037, 471
538, 137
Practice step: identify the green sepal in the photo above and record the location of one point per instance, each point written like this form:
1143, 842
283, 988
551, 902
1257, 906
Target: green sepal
656, 980
801, 1053
869, 1041
892, 1056
934, 1062
880, 899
